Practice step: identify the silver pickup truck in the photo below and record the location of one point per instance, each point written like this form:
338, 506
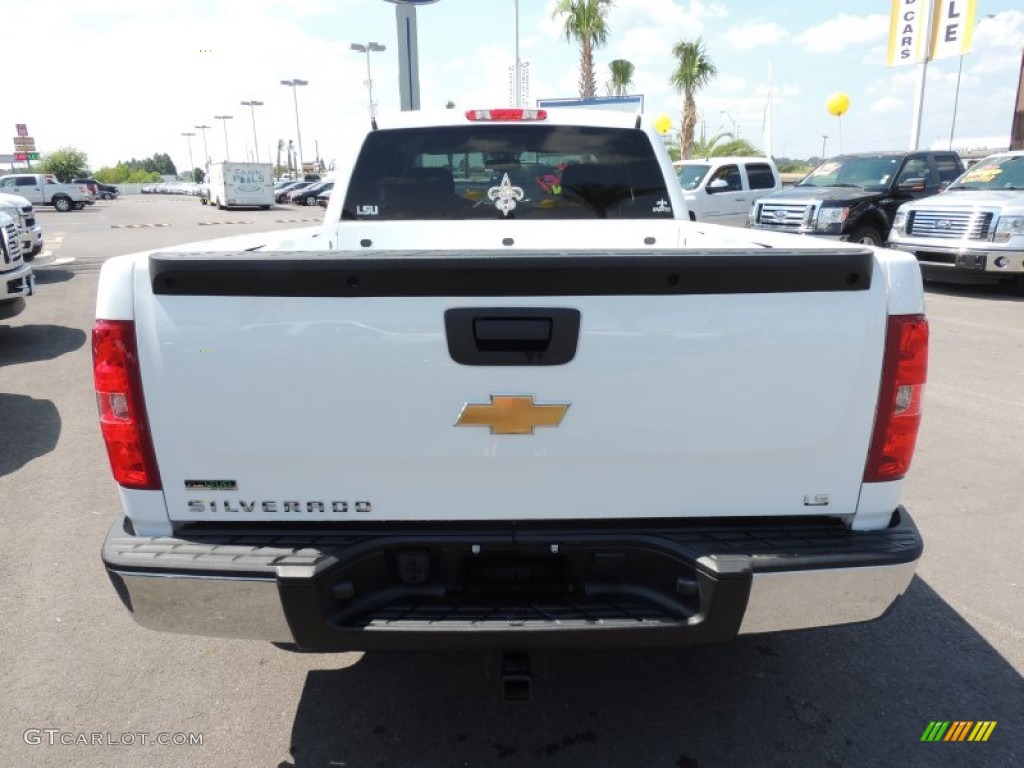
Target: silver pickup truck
16, 279
473, 410
975, 228
23, 213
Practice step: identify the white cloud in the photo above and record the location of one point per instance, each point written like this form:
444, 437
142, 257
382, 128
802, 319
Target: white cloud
887, 105
752, 36
842, 32
1006, 30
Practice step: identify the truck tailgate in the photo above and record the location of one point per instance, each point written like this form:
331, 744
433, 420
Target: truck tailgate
307, 387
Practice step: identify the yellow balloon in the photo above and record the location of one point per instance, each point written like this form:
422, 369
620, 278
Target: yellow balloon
837, 103
662, 124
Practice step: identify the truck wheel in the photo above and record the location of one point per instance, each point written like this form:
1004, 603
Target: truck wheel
866, 235
63, 203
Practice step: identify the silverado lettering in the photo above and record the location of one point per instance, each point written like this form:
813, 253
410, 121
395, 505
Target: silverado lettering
224, 506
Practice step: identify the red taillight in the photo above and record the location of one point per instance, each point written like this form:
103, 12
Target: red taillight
123, 422
506, 114
904, 372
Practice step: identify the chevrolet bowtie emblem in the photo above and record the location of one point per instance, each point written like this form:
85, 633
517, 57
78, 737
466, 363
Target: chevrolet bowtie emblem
511, 415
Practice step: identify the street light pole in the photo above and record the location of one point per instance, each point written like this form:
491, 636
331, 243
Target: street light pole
191, 164
206, 163
518, 79
225, 118
252, 108
294, 83
368, 49
959, 71
735, 126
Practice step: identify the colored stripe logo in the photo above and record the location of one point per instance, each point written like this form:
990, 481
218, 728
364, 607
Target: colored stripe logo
958, 730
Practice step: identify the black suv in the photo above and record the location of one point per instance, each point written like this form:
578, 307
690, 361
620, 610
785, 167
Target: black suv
854, 197
102, 191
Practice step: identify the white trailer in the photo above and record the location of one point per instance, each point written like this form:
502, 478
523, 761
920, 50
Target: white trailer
239, 185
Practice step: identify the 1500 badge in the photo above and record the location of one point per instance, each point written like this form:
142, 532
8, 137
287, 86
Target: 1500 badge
227, 507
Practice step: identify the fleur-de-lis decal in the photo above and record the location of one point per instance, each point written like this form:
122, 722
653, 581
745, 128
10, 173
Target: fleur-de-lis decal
505, 195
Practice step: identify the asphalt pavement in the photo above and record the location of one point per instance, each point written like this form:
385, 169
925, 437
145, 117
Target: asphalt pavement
76, 668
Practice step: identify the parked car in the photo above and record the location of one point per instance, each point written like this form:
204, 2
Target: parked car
308, 195
91, 184
721, 190
323, 198
99, 189
282, 195
854, 197
974, 228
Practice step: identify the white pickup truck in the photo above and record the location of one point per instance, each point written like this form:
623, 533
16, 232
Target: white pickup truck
468, 412
44, 189
723, 190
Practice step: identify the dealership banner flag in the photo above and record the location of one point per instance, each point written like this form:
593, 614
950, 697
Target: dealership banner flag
952, 28
908, 32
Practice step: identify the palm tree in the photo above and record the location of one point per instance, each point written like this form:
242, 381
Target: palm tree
585, 23
622, 77
724, 145
694, 70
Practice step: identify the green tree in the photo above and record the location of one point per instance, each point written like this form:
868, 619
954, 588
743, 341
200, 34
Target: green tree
138, 171
66, 163
585, 23
693, 71
198, 174
160, 163
724, 145
622, 77
143, 176
449, 104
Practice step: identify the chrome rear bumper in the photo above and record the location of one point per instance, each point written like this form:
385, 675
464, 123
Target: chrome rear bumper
557, 586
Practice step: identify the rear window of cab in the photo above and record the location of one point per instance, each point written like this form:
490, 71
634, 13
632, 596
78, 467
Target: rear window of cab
506, 171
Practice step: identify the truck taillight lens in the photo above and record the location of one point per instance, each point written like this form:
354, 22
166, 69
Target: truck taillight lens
904, 372
123, 422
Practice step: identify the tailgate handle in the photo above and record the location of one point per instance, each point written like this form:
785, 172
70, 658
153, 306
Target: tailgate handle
512, 335
507, 334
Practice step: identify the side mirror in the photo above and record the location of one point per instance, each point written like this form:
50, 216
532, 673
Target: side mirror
718, 185
911, 185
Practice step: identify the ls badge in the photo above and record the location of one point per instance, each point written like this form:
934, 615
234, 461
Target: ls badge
511, 415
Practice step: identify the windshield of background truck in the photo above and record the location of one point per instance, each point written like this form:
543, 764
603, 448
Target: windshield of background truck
506, 171
690, 176
868, 171
993, 173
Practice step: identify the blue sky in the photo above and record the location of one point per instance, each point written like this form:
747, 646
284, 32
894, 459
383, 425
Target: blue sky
123, 78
